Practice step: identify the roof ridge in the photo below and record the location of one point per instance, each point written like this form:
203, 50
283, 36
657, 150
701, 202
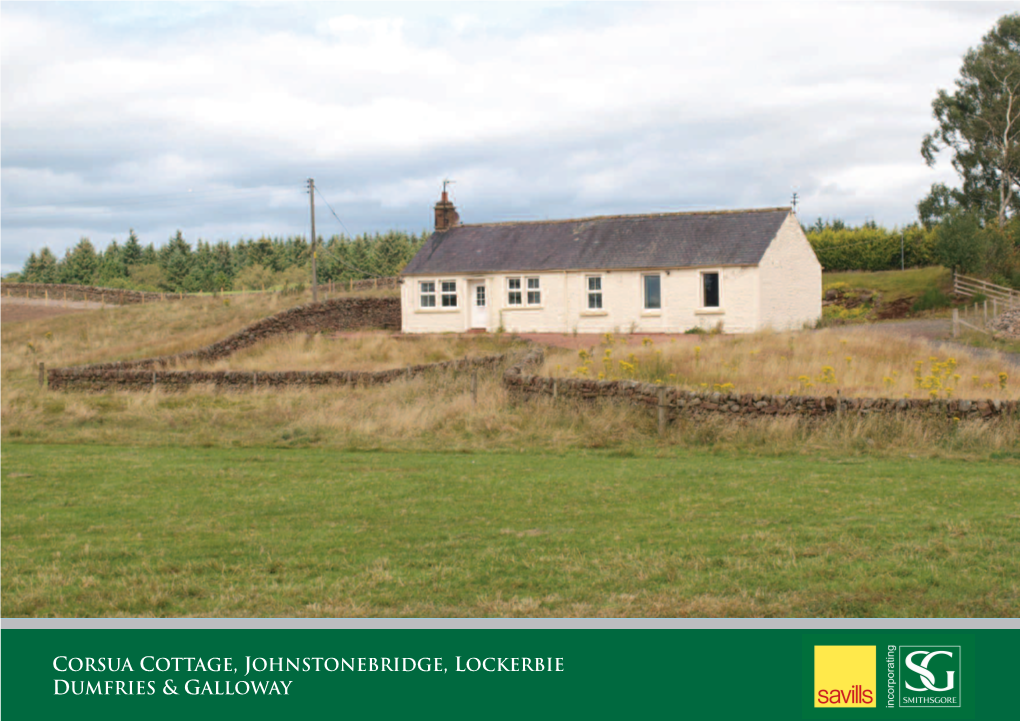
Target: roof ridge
636, 216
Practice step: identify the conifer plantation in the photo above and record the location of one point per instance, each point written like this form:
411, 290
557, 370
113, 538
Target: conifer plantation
208, 267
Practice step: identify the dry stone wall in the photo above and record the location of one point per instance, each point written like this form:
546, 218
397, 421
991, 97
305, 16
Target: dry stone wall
331, 315
61, 291
373, 283
100, 379
679, 401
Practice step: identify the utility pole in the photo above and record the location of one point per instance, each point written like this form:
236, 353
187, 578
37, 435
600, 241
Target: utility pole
315, 277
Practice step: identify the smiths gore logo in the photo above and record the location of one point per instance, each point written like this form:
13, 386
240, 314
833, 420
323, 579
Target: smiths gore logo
929, 676
845, 677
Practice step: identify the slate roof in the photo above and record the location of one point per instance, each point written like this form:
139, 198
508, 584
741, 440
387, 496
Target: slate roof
669, 240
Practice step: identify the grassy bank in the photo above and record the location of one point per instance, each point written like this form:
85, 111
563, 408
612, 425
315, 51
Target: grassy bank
108, 531
894, 284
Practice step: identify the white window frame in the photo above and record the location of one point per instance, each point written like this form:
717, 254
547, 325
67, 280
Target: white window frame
701, 290
444, 294
644, 294
536, 289
423, 294
519, 290
590, 293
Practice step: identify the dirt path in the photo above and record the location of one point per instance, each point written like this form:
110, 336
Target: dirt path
935, 330
930, 328
13, 310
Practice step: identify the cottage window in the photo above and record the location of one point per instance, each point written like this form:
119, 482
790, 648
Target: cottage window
710, 290
513, 286
534, 292
428, 294
449, 293
653, 292
594, 292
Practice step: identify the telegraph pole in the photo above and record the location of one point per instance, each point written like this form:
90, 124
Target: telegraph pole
315, 277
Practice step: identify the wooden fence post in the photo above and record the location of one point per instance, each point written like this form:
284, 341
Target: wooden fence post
474, 387
662, 411
986, 310
556, 388
42, 374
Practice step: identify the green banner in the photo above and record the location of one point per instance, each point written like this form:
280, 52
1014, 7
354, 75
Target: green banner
509, 673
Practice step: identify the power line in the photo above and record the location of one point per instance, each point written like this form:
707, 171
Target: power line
333, 212
368, 276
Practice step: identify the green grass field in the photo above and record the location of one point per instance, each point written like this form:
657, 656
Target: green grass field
130, 531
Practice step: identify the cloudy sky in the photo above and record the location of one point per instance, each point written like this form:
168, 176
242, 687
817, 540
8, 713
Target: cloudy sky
209, 117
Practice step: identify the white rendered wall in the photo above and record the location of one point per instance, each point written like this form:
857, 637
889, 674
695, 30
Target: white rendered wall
564, 303
791, 280
433, 320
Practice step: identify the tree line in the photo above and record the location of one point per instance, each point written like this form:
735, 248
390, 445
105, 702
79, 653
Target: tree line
208, 267
961, 241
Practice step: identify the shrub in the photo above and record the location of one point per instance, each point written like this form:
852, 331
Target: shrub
933, 298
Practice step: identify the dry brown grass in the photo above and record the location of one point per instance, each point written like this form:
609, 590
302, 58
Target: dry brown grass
430, 412
143, 330
823, 362
361, 351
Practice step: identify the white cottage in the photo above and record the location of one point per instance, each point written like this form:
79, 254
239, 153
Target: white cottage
745, 270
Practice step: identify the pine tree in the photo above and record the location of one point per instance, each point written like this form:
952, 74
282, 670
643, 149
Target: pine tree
111, 264
359, 258
80, 264
30, 273
175, 261
131, 253
47, 270
391, 253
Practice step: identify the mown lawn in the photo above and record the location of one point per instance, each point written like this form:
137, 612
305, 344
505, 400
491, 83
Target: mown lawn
133, 531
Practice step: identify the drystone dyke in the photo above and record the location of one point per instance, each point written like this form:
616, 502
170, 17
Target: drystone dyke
683, 402
63, 291
373, 283
100, 379
332, 315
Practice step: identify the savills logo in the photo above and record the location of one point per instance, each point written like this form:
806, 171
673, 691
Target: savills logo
845, 677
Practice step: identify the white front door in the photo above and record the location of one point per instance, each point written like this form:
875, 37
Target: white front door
479, 304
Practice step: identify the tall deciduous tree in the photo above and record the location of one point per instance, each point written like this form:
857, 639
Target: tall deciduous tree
980, 125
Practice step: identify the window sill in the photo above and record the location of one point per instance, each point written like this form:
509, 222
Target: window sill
651, 313
709, 311
437, 310
593, 313
525, 307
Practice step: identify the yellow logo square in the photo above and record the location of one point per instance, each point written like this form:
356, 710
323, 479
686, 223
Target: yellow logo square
845, 677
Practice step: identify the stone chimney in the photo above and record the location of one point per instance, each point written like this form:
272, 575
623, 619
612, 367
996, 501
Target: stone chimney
446, 214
